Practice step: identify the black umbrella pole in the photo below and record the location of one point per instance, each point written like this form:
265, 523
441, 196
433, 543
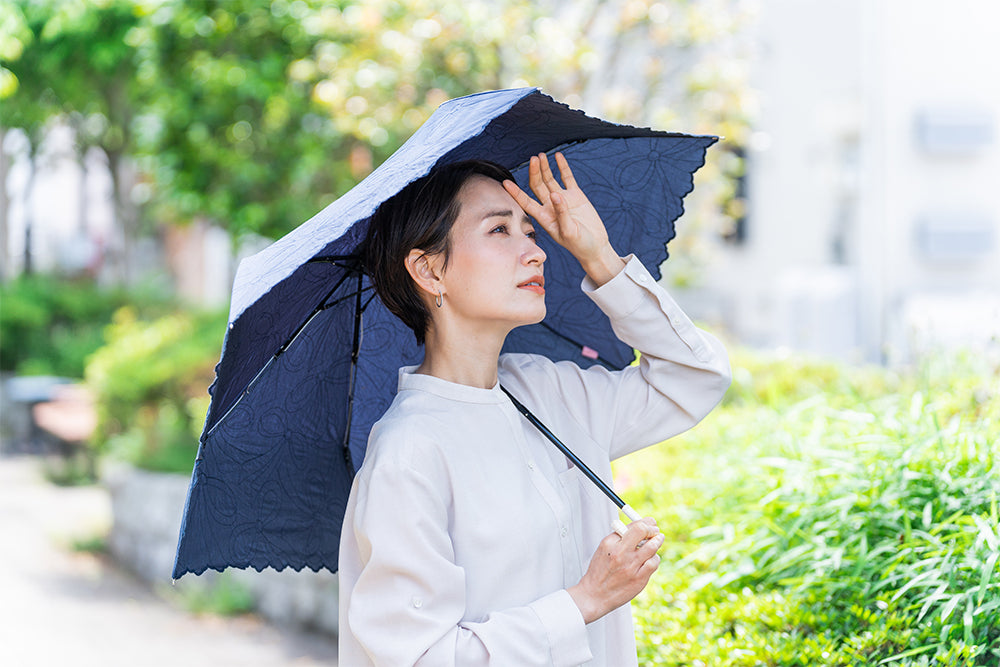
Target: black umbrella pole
588, 473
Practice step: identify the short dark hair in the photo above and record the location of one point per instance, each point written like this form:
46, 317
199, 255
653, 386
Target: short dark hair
419, 216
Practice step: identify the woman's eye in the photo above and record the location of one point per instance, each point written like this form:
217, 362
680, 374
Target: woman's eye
502, 229
532, 235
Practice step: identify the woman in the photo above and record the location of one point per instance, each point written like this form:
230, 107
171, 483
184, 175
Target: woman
468, 539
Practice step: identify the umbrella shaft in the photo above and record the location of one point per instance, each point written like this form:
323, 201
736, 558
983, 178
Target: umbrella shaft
588, 473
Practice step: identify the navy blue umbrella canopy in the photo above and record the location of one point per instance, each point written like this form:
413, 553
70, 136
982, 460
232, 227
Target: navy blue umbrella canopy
310, 358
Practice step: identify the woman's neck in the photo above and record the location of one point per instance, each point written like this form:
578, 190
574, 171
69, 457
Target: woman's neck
462, 358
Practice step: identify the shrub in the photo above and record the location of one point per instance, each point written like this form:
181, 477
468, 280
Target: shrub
151, 381
850, 518
49, 326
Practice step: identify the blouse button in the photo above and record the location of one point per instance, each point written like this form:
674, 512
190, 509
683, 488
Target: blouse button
418, 603
564, 532
531, 465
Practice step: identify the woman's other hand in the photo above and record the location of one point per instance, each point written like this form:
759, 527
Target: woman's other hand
568, 216
619, 570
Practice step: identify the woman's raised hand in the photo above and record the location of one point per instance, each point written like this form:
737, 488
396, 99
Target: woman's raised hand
568, 216
619, 570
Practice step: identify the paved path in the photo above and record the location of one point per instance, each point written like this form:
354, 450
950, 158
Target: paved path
58, 607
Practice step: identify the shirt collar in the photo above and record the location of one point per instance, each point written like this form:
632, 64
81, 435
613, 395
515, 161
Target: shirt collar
408, 379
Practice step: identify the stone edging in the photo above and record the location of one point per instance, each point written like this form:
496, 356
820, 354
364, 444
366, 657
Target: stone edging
147, 508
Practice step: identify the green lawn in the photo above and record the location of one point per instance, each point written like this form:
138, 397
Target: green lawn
825, 515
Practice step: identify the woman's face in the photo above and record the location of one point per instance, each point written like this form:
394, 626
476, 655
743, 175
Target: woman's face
494, 271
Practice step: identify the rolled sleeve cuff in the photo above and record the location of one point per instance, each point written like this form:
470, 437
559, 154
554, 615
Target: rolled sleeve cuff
619, 297
565, 628
624, 294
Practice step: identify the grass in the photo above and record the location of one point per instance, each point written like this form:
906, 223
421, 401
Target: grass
828, 516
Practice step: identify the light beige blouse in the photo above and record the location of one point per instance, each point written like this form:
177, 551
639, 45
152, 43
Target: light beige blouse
465, 527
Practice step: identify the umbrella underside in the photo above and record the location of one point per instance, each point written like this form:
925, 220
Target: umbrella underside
286, 430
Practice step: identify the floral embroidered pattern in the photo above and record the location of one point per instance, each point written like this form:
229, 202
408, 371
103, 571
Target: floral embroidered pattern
302, 378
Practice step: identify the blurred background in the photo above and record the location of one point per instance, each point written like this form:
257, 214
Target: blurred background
849, 212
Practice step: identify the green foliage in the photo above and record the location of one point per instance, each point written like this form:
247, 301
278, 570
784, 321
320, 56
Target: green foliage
72, 59
49, 326
96, 543
149, 381
255, 115
16, 36
227, 134
825, 516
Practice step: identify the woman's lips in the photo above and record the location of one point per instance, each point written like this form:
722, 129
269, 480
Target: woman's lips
535, 284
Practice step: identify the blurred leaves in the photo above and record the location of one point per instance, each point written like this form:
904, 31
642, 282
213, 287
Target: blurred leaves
257, 114
50, 326
149, 381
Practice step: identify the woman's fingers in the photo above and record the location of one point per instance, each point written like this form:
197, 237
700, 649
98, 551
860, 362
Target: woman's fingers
619, 569
652, 545
565, 172
638, 545
650, 566
536, 180
529, 205
561, 209
547, 176
640, 532
565, 213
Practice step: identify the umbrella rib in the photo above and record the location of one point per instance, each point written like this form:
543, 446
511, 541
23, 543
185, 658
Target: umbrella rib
354, 266
607, 364
361, 290
370, 299
323, 305
355, 348
332, 258
284, 346
240, 399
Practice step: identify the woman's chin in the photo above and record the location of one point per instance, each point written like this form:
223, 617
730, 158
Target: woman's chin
540, 317
530, 319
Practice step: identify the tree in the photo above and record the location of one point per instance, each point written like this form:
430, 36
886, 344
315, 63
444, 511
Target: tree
77, 65
27, 103
382, 66
255, 115
264, 114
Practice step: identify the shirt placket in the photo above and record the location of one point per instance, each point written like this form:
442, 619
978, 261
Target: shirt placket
542, 475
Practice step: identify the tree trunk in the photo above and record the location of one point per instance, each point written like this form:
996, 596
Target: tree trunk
83, 204
5, 271
121, 256
29, 212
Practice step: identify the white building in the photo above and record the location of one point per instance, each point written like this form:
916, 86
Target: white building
873, 180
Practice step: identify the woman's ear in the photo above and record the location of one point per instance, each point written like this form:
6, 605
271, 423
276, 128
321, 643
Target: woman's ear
425, 271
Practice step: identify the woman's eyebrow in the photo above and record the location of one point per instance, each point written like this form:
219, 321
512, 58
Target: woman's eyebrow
505, 213
499, 213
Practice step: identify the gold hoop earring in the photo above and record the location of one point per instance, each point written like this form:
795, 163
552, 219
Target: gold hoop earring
439, 299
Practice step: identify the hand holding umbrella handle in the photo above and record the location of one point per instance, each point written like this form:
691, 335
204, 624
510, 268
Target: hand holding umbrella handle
619, 527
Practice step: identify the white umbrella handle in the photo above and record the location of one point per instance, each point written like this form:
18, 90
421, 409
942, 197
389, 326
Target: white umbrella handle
620, 527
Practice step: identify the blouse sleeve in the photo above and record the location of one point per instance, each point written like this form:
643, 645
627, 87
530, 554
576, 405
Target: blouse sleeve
407, 605
682, 373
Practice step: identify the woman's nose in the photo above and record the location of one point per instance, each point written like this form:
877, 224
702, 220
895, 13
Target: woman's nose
533, 253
